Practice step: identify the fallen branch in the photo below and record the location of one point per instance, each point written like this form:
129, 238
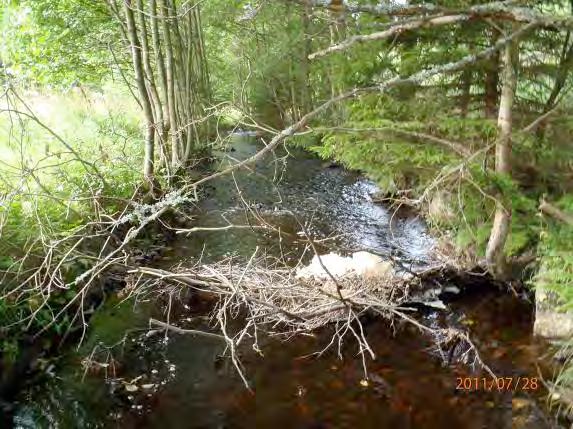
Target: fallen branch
178, 330
218, 228
554, 212
532, 127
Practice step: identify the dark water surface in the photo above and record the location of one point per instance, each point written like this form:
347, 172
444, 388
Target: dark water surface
182, 382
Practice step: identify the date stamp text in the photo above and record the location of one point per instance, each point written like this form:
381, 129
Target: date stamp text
500, 384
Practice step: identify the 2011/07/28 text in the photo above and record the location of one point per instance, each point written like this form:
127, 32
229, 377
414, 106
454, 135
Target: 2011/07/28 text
502, 384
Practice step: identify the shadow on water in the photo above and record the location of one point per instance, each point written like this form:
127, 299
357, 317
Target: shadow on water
183, 382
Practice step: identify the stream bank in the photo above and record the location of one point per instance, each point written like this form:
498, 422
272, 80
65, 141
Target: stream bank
158, 380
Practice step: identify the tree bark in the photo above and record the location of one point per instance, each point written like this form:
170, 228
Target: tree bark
162, 79
491, 82
495, 254
149, 75
148, 160
306, 94
173, 88
465, 98
170, 76
159, 59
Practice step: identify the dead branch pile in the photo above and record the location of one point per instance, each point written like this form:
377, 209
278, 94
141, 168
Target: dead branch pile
273, 295
269, 298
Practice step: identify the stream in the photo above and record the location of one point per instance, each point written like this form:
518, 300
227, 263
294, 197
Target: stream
140, 380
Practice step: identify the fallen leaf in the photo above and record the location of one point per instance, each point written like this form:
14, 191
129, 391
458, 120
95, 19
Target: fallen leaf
519, 403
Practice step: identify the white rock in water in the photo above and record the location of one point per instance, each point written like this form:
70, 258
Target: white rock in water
371, 266
364, 264
335, 264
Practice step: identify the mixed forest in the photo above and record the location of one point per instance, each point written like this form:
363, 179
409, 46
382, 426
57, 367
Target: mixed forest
114, 115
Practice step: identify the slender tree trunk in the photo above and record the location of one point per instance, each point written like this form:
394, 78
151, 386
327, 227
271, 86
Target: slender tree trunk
495, 255
466, 85
162, 79
149, 75
306, 88
491, 92
492, 81
159, 58
332, 72
565, 65
143, 95
201, 55
182, 72
170, 76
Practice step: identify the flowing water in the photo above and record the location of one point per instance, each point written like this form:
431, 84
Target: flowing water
183, 382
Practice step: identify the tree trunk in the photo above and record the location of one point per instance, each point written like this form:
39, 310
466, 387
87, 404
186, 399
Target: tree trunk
171, 73
162, 80
143, 94
159, 59
306, 89
170, 76
492, 81
495, 255
466, 85
565, 65
150, 77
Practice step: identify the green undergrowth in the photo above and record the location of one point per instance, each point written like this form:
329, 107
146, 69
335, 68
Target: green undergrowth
555, 275
46, 188
48, 192
556, 257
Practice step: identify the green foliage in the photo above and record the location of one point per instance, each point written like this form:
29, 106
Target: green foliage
103, 130
57, 43
556, 256
48, 194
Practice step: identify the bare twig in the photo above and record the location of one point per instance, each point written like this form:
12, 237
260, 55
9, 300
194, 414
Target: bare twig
178, 330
